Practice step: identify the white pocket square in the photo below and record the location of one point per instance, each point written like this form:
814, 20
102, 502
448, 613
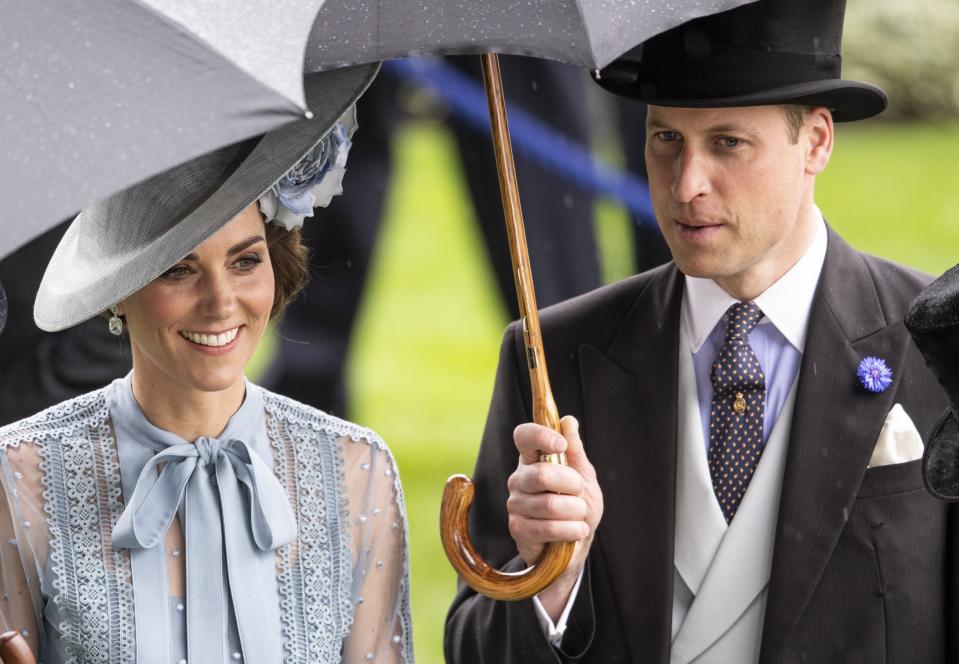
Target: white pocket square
899, 441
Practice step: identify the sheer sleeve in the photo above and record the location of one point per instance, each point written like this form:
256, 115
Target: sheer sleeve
381, 630
24, 540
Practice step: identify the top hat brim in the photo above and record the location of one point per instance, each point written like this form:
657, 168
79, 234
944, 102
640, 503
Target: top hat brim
847, 99
77, 285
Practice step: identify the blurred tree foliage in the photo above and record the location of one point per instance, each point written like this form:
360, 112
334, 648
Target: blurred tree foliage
910, 48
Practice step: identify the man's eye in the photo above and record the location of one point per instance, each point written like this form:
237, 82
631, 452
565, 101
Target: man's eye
730, 141
668, 136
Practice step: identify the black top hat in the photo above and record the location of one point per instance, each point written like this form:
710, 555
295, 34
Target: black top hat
766, 52
933, 321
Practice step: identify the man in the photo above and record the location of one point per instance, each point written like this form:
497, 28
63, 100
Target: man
745, 484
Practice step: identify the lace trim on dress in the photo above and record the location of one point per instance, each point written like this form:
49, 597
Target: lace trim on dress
306, 468
314, 572
83, 498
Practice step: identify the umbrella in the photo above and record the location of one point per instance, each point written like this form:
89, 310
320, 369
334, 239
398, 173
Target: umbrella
96, 95
588, 33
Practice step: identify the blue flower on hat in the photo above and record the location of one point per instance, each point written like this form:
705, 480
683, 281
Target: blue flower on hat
312, 182
874, 374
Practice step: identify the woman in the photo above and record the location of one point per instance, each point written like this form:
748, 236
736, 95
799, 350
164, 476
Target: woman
183, 513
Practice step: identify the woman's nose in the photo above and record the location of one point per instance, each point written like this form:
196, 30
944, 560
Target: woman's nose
218, 298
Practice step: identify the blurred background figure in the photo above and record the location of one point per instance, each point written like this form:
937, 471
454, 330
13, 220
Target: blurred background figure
39, 369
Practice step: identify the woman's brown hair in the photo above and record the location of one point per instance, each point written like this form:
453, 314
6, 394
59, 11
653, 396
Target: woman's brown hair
291, 266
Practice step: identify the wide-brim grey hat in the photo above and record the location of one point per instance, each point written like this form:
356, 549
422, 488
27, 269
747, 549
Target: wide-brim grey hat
117, 246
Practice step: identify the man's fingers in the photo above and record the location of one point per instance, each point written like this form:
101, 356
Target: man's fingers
550, 506
545, 477
541, 531
534, 439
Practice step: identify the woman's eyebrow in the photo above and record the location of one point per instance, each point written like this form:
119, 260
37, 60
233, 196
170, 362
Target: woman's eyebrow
245, 244
235, 249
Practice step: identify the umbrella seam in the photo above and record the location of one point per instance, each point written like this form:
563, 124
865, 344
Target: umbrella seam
300, 110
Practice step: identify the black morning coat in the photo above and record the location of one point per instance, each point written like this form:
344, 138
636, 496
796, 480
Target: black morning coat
865, 565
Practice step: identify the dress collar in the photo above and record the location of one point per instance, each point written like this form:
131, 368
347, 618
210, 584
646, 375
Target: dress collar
130, 419
785, 304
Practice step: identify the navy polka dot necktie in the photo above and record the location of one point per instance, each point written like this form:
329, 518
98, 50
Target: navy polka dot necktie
736, 417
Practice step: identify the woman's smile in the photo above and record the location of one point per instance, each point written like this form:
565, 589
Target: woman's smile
212, 341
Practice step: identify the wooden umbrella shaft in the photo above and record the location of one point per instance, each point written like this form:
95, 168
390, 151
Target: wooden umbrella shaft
544, 407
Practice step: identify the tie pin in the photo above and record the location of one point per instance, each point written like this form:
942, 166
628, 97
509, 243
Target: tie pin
739, 405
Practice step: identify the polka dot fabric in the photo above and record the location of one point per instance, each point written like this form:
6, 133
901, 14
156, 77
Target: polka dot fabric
736, 417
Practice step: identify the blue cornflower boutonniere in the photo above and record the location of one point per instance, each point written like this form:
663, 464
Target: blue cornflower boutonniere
874, 374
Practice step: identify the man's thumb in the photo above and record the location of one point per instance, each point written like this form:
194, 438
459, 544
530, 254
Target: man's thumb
575, 454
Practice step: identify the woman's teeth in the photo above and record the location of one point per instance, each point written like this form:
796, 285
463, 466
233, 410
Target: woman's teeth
221, 339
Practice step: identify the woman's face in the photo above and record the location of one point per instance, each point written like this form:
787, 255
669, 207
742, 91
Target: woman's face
196, 326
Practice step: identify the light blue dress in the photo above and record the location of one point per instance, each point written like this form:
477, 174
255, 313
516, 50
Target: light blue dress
281, 540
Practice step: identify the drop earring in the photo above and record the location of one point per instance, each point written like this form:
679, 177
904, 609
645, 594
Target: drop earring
116, 323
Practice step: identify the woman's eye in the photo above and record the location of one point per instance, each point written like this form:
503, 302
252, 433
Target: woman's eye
177, 271
248, 262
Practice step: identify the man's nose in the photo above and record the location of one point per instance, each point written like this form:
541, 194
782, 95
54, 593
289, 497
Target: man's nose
691, 176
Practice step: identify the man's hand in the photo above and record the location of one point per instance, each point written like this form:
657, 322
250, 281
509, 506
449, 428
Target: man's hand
553, 503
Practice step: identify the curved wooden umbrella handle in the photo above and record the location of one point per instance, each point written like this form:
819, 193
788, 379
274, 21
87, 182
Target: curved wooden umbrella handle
475, 571
14, 649
459, 490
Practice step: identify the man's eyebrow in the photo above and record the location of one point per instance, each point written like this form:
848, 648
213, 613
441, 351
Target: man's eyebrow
236, 248
729, 128
656, 124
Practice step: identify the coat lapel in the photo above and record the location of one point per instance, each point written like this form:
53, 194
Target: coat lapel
834, 430
630, 403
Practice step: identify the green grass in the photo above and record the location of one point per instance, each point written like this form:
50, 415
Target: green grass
422, 364
893, 190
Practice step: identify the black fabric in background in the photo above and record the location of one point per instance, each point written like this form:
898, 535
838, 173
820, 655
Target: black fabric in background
37, 368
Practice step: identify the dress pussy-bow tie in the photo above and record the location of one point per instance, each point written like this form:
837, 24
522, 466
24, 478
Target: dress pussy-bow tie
206, 481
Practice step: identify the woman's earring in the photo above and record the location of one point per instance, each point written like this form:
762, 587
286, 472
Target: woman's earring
116, 323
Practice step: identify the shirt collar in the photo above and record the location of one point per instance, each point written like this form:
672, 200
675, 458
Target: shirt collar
785, 304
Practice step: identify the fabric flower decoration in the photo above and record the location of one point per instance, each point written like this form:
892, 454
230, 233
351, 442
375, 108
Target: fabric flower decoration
874, 375
313, 181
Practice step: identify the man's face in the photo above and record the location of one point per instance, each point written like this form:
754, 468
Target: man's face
729, 188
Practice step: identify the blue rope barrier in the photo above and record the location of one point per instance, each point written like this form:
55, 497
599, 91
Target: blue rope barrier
531, 137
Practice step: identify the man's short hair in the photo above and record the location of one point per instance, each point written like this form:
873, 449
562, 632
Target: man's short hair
796, 115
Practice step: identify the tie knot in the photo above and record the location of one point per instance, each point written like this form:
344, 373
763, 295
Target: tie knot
741, 318
208, 449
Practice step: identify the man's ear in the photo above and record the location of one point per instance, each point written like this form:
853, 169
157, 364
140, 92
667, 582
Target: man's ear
817, 136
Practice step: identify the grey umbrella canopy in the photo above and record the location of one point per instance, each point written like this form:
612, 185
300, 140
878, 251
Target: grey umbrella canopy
588, 33
96, 95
